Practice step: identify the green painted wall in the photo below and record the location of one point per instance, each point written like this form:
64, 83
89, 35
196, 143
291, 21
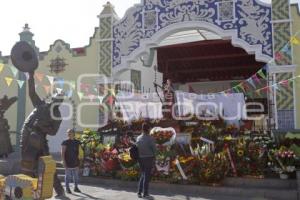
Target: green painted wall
296, 53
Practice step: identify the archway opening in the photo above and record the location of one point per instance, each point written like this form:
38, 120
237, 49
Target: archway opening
201, 62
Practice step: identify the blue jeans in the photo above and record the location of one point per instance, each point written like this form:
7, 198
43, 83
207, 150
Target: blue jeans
72, 173
146, 165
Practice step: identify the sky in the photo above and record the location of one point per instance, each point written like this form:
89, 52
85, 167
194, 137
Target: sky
70, 20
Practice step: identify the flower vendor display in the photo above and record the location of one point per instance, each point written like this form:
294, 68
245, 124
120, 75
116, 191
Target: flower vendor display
213, 168
163, 136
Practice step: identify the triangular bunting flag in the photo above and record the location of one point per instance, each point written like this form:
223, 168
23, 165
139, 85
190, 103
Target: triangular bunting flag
1, 67
91, 97
286, 49
59, 90
275, 86
70, 93
250, 81
261, 74
295, 40
73, 84
256, 78
258, 92
80, 95
285, 83
266, 67
241, 88
51, 79
39, 76
278, 56
26, 75
8, 81
47, 88
235, 89
20, 83
13, 70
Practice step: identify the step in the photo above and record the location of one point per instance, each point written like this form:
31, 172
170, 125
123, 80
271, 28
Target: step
59, 164
195, 190
261, 183
60, 170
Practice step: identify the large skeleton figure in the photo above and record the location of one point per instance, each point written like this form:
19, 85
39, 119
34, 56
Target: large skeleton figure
44, 120
5, 143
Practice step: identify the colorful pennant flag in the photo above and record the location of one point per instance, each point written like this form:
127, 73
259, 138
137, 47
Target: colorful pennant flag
261, 74
20, 83
39, 76
285, 83
275, 86
8, 81
59, 90
256, 78
70, 93
295, 40
278, 56
91, 97
73, 84
1, 67
80, 95
47, 88
26, 75
13, 70
250, 81
51, 79
286, 49
258, 92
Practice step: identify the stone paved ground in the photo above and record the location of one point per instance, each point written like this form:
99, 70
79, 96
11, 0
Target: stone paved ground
105, 193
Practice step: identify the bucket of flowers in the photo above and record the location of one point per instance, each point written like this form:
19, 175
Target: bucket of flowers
184, 167
284, 162
125, 160
109, 159
213, 168
163, 136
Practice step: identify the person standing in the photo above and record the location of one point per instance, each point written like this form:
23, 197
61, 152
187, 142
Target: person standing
147, 149
70, 157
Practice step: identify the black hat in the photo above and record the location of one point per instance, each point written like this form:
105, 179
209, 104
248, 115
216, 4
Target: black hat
24, 57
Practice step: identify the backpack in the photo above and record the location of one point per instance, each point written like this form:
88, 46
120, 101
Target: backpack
134, 152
